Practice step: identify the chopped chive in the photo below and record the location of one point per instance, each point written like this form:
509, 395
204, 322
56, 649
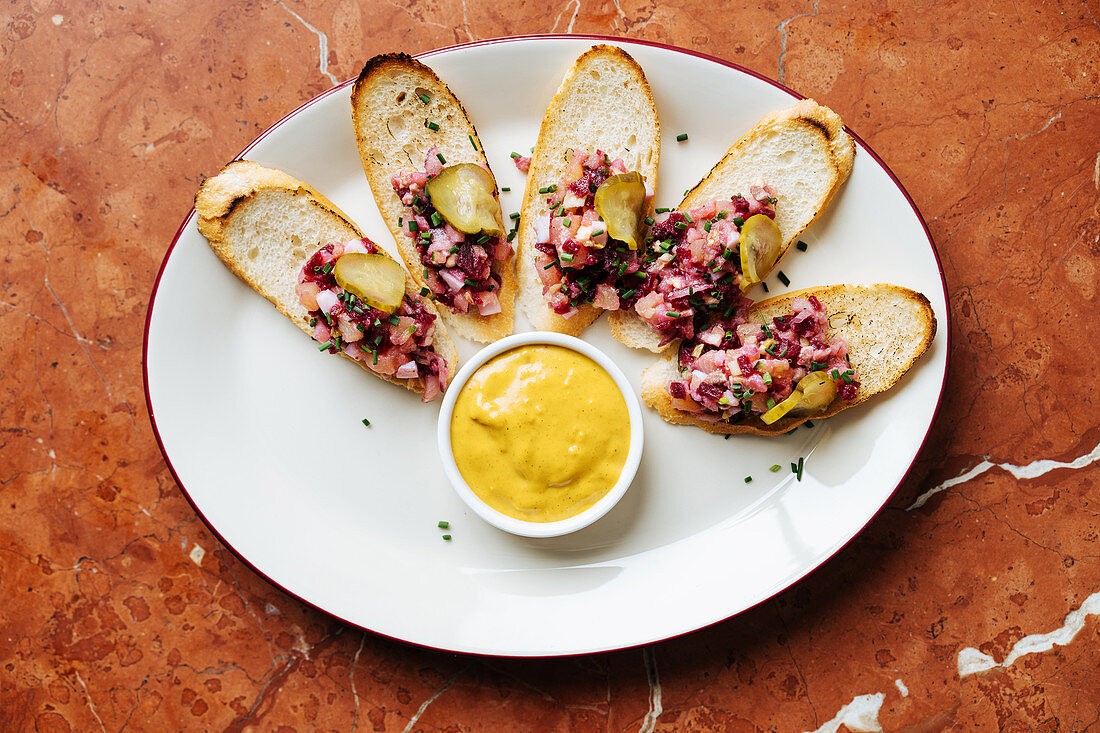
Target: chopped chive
727, 437
783, 278
447, 537
425, 98
773, 200
801, 245
433, 126
441, 158
593, 235
505, 188
424, 291
567, 222
437, 220
325, 346
800, 463
472, 143
835, 374
327, 268
748, 479
706, 226
794, 467
765, 286
393, 319
511, 235
688, 219
312, 322
672, 314
681, 137
722, 214
680, 225
774, 468
416, 200
767, 379
413, 226
453, 249
662, 210
567, 257
374, 356
770, 403
649, 221
514, 215
400, 220
738, 220
515, 155
444, 525
366, 422
724, 400
470, 283
627, 294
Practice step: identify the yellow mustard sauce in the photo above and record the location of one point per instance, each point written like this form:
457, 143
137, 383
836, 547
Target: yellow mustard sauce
540, 433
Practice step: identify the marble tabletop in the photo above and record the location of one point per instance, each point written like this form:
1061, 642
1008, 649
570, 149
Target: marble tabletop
969, 603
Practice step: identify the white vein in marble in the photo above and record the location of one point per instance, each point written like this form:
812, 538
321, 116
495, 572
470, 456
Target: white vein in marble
858, 716
1029, 471
322, 45
971, 661
649, 723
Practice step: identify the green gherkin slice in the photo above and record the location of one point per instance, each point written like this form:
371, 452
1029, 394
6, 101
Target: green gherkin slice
375, 278
811, 395
619, 202
759, 244
463, 195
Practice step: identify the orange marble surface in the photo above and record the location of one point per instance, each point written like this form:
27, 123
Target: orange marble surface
989, 113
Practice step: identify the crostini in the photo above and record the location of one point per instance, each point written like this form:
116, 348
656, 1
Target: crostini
800, 356
432, 183
735, 225
589, 190
298, 250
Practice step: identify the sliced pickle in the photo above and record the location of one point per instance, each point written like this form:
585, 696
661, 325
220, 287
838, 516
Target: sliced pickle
760, 245
818, 391
463, 195
811, 395
376, 279
619, 202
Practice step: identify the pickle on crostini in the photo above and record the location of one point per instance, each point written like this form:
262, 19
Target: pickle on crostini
375, 278
813, 393
463, 194
619, 201
760, 243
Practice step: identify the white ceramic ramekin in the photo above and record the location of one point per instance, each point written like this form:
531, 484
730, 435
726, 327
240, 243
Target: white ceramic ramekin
520, 526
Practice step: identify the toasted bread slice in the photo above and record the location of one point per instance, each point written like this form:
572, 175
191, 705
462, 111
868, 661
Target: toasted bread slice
887, 328
802, 151
604, 103
391, 133
264, 225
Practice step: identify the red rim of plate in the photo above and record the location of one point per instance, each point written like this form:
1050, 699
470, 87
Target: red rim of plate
512, 39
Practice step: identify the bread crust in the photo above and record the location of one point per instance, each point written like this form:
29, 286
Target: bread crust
887, 327
225, 196
391, 135
570, 124
829, 152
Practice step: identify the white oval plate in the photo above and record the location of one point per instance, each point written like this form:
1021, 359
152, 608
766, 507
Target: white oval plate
263, 433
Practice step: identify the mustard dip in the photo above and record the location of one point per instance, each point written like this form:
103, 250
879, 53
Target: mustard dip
540, 433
